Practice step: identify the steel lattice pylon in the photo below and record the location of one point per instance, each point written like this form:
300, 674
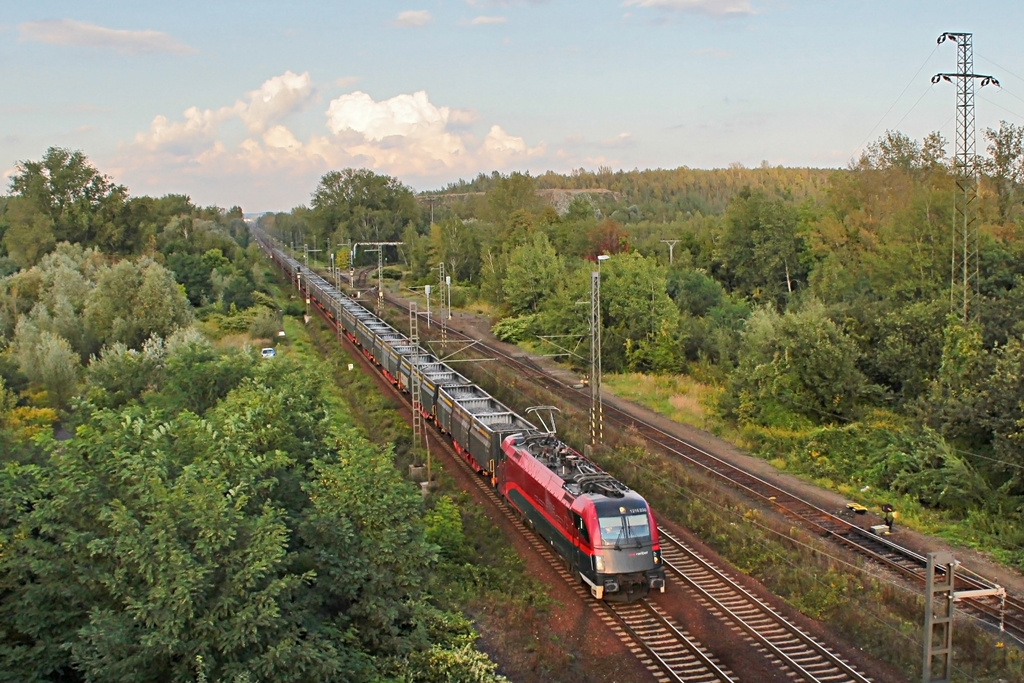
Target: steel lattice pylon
965, 282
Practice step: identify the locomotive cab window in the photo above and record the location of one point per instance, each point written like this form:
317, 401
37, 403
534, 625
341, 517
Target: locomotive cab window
625, 528
639, 528
612, 529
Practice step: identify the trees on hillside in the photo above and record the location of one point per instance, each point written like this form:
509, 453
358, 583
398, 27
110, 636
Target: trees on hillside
361, 205
1005, 166
795, 368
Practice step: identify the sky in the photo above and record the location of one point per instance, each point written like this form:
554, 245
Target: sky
250, 102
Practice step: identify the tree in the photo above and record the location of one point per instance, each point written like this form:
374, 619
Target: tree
907, 348
534, 271
255, 542
48, 360
997, 407
1006, 166
694, 292
455, 244
608, 237
29, 234
133, 301
761, 251
511, 193
192, 272
796, 368
894, 150
78, 202
637, 313
121, 374
362, 206
196, 377
417, 250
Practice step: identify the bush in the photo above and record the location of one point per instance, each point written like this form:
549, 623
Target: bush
902, 459
265, 324
514, 330
296, 309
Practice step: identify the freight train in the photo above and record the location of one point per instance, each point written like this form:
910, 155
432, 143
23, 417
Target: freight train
604, 531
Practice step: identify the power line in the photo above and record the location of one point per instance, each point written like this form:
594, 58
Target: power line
902, 93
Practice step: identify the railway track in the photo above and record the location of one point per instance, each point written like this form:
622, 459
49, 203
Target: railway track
788, 646
1006, 615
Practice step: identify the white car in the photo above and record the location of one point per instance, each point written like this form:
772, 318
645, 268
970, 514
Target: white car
268, 352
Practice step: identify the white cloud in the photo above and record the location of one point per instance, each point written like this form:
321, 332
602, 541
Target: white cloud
82, 34
188, 136
275, 99
504, 3
404, 115
483, 21
619, 141
406, 136
265, 106
412, 18
719, 8
346, 81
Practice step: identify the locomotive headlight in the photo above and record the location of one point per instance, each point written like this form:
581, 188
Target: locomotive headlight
599, 563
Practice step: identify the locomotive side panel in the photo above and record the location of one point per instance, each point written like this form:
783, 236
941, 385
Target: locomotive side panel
530, 492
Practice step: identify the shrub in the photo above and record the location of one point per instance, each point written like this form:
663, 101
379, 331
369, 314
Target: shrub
514, 330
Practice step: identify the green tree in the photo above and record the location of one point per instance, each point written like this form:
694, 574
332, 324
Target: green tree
795, 368
996, 406
638, 316
80, 203
48, 360
761, 251
362, 206
192, 272
196, 377
121, 374
1006, 166
534, 271
29, 233
511, 193
455, 244
134, 300
893, 150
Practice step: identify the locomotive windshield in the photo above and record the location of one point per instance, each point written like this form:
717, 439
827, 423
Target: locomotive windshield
625, 529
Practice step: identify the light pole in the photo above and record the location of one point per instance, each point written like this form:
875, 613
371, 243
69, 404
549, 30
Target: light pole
596, 405
448, 283
426, 289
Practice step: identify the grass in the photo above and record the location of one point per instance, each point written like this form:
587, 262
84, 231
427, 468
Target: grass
680, 398
677, 397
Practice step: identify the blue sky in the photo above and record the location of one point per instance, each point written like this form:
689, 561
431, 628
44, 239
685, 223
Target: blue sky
249, 103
